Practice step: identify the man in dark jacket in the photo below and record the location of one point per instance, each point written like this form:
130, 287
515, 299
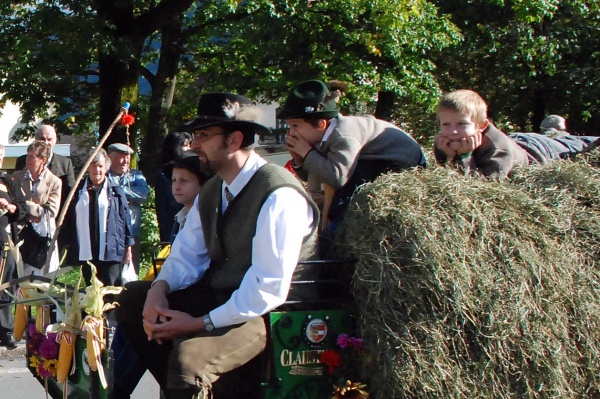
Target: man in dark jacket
99, 224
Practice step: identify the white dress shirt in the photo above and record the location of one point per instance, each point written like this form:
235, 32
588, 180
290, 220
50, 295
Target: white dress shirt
283, 221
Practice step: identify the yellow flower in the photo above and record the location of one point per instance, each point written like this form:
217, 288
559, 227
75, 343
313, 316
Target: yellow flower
51, 366
34, 361
353, 390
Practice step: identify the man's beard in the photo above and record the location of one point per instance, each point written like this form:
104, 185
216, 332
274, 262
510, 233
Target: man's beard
205, 164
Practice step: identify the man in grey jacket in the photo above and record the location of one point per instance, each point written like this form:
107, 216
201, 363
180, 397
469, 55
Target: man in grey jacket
343, 152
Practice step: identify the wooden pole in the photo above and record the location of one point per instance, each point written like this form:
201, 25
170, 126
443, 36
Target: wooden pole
63, 211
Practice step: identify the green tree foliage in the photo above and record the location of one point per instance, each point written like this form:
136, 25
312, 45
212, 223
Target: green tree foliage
375, 46
529, 58
84, 58
75, 62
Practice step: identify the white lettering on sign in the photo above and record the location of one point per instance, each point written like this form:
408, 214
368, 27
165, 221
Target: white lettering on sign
296, 358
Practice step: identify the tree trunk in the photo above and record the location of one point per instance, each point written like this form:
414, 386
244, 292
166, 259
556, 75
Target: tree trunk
385, 105
163, 87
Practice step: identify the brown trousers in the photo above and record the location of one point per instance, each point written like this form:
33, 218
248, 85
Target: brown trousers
198, 361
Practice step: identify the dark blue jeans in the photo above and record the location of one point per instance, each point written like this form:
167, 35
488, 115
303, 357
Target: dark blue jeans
128, 367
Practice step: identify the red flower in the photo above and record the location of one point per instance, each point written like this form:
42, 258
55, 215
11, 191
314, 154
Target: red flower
127, 120
332, 359
289, 167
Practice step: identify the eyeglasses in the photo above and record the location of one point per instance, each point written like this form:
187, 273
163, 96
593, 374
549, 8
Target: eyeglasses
202, 136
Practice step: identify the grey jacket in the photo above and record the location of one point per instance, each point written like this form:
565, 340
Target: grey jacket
359, 137
497, 155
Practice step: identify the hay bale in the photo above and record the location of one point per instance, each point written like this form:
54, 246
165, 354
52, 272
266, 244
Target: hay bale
469, 288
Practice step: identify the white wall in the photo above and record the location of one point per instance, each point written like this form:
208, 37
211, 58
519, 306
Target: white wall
10, 120
268, 119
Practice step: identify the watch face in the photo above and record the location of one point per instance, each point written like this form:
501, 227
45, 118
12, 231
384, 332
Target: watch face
208, 325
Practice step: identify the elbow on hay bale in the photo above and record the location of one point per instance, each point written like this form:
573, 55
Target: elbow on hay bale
469, 288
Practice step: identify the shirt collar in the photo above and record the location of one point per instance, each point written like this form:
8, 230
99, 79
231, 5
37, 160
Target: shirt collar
332, 125
182, 215
27, 174
253, 163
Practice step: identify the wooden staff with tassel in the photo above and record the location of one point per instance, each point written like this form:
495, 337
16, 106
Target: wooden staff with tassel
63, 211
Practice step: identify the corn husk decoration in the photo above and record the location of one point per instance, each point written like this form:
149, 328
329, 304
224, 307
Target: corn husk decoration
67, 329
42, 318
93, 323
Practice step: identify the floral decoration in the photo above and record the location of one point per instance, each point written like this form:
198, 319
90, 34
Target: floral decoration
43, 352
343, 366
127, 120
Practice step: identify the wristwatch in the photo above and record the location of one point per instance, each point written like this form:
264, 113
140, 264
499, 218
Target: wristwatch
208, 325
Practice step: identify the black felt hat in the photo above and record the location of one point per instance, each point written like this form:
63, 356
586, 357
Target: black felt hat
310, 99
226, 109
187, 160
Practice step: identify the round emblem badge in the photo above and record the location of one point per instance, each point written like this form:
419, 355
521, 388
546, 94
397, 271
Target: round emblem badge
316, 331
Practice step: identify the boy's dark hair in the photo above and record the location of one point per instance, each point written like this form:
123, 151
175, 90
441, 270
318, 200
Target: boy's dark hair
314, 122
172, 145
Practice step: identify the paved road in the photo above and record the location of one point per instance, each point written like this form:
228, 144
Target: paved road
16, 381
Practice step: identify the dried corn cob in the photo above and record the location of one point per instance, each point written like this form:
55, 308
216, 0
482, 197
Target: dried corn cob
42, 318
21, 316
66, 340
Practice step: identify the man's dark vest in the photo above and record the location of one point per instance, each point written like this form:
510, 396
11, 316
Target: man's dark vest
229, 236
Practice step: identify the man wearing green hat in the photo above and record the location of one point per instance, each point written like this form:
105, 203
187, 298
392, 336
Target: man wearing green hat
342, 151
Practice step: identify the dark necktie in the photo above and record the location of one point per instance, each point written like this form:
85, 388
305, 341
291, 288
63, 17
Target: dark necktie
228, 195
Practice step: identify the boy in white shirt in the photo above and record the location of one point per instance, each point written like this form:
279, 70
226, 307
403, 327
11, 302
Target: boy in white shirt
188, 176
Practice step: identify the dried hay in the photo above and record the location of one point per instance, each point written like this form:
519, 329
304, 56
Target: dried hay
476, 289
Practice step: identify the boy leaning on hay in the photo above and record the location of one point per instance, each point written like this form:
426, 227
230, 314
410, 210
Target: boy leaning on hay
341, 151
469, 141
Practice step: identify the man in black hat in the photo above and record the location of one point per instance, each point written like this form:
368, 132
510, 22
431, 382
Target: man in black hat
232, 262
341, 151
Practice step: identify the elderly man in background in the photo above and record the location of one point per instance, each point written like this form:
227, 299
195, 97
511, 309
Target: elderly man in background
135, 186
59, 165
554, 126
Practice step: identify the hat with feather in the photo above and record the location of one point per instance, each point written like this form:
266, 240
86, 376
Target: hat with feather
226, 109
311, 99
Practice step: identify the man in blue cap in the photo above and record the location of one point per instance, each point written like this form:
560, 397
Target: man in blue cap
135, 186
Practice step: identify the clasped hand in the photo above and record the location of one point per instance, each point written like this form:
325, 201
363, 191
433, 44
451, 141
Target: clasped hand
162, 324
453, 148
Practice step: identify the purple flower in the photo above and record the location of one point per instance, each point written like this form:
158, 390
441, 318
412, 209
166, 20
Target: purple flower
33, 343
43, 371
346, 341
49, 348
31, 329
